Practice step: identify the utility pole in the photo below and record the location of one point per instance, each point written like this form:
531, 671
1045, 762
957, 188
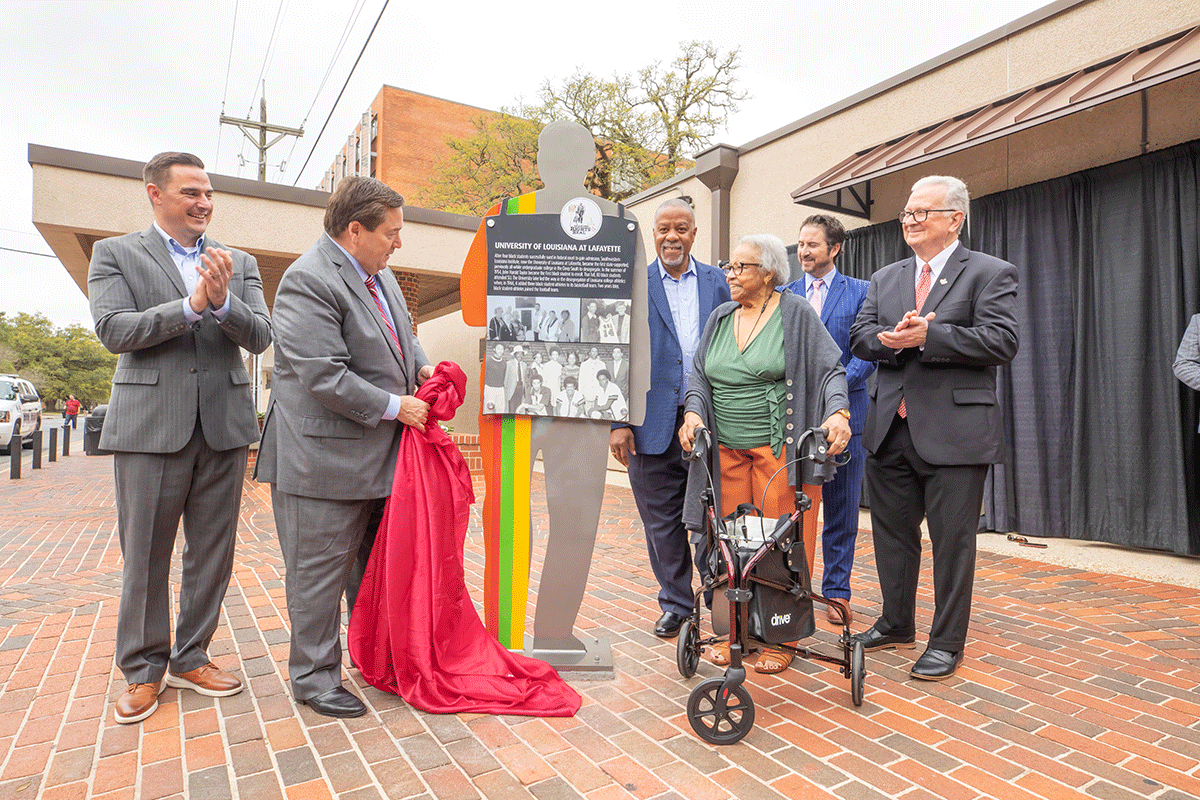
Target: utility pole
261, 127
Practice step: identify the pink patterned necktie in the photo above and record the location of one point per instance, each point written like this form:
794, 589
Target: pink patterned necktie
379, 304
816, 295
922, 293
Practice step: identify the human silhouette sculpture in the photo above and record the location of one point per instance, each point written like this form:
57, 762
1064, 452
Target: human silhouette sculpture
574, 451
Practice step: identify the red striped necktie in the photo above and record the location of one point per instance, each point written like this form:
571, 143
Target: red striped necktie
922, 293
379, 304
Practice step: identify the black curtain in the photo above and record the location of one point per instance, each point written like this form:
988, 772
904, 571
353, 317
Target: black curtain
1101, 435
869, 249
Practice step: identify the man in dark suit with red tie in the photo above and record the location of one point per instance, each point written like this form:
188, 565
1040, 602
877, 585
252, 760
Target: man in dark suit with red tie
938, 325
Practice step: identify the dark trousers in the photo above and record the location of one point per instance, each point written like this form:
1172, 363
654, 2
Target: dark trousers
904, 488
659, 483
839, 505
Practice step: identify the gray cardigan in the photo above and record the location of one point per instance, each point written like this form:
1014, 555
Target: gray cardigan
816, 388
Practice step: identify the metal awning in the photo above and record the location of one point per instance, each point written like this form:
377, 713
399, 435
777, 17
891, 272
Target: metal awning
846, 188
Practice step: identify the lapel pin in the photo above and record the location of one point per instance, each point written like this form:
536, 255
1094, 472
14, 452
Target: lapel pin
942, 281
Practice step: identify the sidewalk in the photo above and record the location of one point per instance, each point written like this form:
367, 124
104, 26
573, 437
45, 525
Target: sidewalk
1076, 684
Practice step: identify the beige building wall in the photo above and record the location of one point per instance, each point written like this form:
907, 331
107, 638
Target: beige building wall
1066, 42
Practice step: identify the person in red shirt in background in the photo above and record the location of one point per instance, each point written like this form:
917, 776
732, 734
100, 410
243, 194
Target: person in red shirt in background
70, 411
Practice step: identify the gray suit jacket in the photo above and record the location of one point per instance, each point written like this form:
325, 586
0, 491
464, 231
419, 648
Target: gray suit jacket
335, 366
1187, 360
170, 370
949, 387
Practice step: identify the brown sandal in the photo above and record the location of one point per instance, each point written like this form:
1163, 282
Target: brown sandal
720, 654
771, 661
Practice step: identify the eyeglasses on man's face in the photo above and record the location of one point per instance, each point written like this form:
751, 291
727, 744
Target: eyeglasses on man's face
737, 266
921, 214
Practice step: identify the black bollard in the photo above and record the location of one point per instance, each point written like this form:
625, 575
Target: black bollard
37, 450
66, 441
53, 444
14, 459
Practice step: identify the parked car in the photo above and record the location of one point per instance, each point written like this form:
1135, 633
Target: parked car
20, 412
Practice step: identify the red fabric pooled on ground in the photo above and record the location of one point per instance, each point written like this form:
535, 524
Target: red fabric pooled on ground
414, 631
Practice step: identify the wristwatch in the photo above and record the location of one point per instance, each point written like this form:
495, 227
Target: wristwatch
845, 412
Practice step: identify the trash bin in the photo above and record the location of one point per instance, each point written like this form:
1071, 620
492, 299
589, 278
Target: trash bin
93, 424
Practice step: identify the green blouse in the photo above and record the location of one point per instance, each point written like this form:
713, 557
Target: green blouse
748, 390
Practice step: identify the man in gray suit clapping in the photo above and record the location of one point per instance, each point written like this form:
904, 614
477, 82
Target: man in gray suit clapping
176, 306
346, 366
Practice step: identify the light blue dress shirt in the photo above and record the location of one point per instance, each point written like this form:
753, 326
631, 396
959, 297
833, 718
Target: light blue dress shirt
187, 261
393, 409
683, 296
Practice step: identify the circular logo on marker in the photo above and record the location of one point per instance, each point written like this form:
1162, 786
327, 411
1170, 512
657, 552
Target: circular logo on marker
581, 218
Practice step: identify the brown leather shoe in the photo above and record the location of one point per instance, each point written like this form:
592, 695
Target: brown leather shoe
138, 701
209, 680
836, 608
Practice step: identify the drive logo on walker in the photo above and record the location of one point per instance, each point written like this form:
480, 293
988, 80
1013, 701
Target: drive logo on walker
581, 218
780, 619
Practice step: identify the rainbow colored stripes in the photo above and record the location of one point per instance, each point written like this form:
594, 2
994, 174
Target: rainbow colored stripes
505, 441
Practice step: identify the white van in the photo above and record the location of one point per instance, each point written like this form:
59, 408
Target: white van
20, 412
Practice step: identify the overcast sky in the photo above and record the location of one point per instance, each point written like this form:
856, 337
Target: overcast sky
129, 79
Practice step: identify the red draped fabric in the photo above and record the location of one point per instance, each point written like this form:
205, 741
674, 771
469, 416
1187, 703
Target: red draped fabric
414, 631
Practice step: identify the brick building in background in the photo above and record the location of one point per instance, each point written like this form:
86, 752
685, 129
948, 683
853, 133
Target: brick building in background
406, 132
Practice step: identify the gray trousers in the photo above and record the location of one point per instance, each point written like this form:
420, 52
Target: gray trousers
154, 491
321, 541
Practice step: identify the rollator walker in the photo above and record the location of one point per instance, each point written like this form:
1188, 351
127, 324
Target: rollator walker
762, 568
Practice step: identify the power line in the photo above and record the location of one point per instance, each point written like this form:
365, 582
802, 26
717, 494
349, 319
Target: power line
355, 12
266, 56
225, 92
27, 252
344, 85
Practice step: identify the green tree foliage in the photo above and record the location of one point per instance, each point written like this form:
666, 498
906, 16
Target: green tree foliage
494, 162
645, 125
58, 361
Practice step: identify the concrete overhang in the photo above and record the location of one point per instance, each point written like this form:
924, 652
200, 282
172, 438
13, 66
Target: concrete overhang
80, 198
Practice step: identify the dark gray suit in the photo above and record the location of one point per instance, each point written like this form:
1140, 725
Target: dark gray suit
327, 451
934, 463
179, 422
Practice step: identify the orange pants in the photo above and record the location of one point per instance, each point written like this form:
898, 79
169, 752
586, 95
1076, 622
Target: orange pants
744, 477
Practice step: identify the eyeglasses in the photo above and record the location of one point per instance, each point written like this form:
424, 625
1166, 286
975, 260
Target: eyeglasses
922, 214
736, 267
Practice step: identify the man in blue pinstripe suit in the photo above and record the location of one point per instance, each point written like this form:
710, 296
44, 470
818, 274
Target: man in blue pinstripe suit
837, 298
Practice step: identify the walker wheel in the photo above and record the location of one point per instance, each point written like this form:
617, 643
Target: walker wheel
687, 648
858, 673
720, 717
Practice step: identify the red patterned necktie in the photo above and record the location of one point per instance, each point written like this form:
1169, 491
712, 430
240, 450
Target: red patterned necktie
379, 304
922, 293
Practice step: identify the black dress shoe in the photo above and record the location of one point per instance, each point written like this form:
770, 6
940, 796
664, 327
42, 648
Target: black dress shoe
873, 640
336, 702
936, 665
668, 625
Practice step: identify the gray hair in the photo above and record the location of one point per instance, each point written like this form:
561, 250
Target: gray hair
773, 253
676, 202
956, 191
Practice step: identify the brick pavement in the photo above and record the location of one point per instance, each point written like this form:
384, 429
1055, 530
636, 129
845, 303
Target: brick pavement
1076, 684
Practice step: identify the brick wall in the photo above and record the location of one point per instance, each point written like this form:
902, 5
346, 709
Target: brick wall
467, 443
410, 287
